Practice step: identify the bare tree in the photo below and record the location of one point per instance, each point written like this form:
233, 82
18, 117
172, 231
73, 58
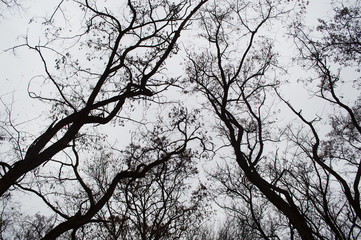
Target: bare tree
311, 178
233, 78
113, 62
278, 179
335, 156
341, 34
159, 206
249, 214
8, 5
77, 193
97, 104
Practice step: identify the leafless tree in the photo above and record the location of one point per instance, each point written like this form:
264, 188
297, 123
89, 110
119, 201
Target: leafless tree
335, 156
159, 206
113, 63
275, 179
77, 193
97, 103
8, 6
236, 75
234, 80
249, 214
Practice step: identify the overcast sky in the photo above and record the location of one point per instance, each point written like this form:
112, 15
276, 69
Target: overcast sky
18, 67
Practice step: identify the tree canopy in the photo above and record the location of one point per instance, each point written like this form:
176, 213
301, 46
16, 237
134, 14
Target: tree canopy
163, 118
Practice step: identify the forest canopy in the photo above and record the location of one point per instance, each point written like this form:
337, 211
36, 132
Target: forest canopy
190, 119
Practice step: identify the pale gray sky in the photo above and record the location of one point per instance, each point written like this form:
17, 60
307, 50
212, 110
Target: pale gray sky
17, 69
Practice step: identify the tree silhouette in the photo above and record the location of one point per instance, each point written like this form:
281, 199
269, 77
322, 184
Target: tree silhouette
276, 165
129, 52
286, 170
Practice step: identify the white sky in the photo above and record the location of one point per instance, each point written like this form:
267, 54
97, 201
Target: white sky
17, 69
